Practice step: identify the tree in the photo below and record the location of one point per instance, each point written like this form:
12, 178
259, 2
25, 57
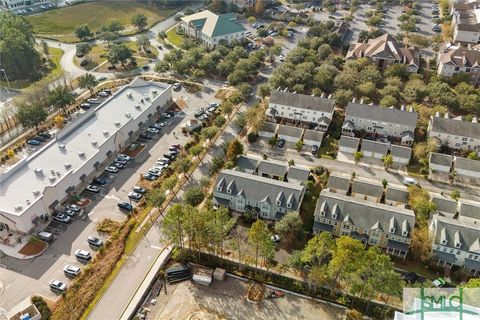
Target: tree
227, 107
299, 145
289, 225
388, 101
113, 26
83, 32
240, 121
473, 283
109, 37
387, 161
217, 164
421, 150
384, 183
119, 53
419, 40
31, 115
455, 194
162, 67
170, 183
259, 7
194, 196
59, 121
318, 249
87, 81
251, 20
421, 243
324, 51
60, 98
143, 43
209, 133
259, 238
45, 48
263, 90
84, 48
183, 166
173, 226
235, 148
358, 155
419, 201
162, 35
139, 20
155, 197
20, 59
346, 258
472, 156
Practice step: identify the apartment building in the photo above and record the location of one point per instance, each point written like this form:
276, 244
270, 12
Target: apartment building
454, 59
16, 5
455, 133
466, 22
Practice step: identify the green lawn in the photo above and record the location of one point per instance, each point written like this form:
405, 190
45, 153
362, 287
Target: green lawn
174, 38
61, 23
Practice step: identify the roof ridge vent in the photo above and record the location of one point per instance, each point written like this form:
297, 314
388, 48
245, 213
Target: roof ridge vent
130, 94
68, 165
52, 179
137, 106
36, 192
18, 207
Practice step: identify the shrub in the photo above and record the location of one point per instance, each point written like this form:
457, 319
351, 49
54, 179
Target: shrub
42, 307
108, 226
194, 196
220, 121
252, 137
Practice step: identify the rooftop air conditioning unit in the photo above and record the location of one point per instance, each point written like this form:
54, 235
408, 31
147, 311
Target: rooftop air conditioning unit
81, 154
106, 133
52, 178
52, 171
61, 146
38, 171
138, 107
57, 173
36, 193
154, 91
68, 165
28, 202
129, 95
94, 143
117, 124
128, 115
18, 208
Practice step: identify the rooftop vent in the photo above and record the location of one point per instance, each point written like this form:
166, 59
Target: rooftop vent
154, 92
38, 171
36, 193
28, 202
128, 115
61, 146
129, 95
52, 171
18, 208
81, 154
52, 179
68, 165
138, 107
94, 143
117, 124
147, 97
106, 133
57, 173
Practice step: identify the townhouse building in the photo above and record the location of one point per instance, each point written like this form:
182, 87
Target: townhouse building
454, 59
388, 227
300, 109
455, 133
211, 29
465, 23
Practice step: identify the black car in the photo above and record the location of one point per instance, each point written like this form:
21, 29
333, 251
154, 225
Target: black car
95, 242
46, 135
169, 156
280, 143
125, 206
40, 138
146, 136
99, 182
410, 277
199, 113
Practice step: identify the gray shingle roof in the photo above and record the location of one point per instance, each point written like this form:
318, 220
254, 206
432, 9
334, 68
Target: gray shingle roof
396, 193
247, 163
298, 173
364, 213
339, 181
441, 159
290, 131
272, 168
470, 209
369, 188
260, 189
314, 135
456, 127
302, 101
401, 152
349, 142
381, 114
467, 164
269, 127
445, 204
454, 230
375, 146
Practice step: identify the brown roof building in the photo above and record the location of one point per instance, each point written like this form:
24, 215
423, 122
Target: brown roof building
384, 51
454, 59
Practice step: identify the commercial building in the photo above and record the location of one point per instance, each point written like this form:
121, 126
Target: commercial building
37, 185
211, 29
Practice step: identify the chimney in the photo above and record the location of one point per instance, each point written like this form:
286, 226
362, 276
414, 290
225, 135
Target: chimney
446, 116
402, 107
474, 120
458, 118
353, 100
410, 109
330, 96
323, 95
437, 114
361, 100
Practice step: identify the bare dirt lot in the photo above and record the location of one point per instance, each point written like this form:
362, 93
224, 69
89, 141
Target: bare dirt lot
226, 300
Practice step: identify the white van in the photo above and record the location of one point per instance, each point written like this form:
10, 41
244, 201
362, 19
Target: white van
45, 236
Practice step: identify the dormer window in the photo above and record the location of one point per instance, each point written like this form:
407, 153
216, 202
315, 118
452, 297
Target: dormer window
219, 188
229, 191
279, 202
392, 230
444, 242
334, 216
458, 245
289, 205
405, 233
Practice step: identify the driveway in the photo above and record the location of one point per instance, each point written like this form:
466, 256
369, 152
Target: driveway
22, 278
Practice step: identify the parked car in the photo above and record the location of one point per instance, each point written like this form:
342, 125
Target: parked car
74, 207
439, 282
45, 236
155, 172
199, 113
45, 135
167, 160
410, 277
173, 149
153, 130
125, 206
93, 188
437, 28
71, 271
176, 86
275, 238
118, 165
123, 156
409, 181
85, 106
100, 182
69, 213
101, 78
120, 160
203, 117
40, 138
94, 241
111, 169
146, 136
314, 150
161, 124
280, 143
155, 126
139, 189
83, 255
149, 177
93, 100
62, 218
33, 142
57, 286
103, 94
166, 115
178, 146
134, 196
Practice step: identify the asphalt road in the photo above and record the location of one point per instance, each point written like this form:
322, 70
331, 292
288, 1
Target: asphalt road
21, 278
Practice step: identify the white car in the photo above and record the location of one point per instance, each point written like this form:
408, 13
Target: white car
281, 58
123, 156
103, 94
83, 255
93, 188
93, 100
161, 124
275, 238
73, 207
176, 86
153, 130
111, 169
57, 285
71, 271
166, 115
101, 78
134, 196
409, 181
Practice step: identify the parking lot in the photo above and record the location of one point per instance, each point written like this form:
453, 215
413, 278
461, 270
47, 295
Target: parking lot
21, 278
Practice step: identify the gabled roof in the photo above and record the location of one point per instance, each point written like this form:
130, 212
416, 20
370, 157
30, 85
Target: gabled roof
396, 193
269, 127
313, 135
290, 131
247, 163
465, 232
365, 214
373, 112
469, 208
455, 127
400, 151
260, 189
444, 204
349, 142
212, 24
375, 146
272, 168
467, 164
367, 187
460, 56
441, 159
302, 101
297, 173
339, 181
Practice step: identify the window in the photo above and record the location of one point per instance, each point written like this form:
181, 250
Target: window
451, 250
404, 233
444, 241
229, 191
470, 256
289, 205
279, 202
475, 258
458, 252
392, 230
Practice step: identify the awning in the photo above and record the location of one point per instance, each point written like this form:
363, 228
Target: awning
445, 257
472, 264
391, 244
322, 226
82, 177
221, 202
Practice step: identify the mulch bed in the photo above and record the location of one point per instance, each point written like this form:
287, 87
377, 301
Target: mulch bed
33, 247
134, 149
83, 202
179, 105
